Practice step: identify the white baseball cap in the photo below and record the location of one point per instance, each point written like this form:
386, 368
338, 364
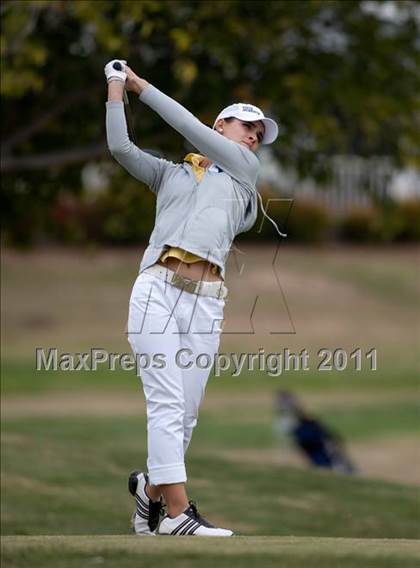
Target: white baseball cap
251, 113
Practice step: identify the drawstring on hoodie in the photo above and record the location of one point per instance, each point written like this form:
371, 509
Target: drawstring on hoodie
269, 218
196, 160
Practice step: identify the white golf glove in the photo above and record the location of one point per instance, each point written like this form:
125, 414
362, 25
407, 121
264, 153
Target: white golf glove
115, 74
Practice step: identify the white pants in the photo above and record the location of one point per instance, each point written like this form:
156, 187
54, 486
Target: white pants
170, 330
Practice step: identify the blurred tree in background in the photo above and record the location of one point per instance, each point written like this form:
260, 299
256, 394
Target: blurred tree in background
339, 77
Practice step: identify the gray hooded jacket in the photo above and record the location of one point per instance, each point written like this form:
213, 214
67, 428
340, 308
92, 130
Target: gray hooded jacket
200, 217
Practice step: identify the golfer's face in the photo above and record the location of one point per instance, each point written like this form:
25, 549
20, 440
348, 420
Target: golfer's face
249, 134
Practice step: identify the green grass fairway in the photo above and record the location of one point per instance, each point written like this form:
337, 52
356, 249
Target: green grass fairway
243, 552
70, 439
68, 475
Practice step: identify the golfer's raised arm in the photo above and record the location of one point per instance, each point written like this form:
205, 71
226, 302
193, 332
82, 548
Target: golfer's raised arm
138, 163
238, 161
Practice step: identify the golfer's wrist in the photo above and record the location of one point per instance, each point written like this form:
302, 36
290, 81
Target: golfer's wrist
139, 85
115, 90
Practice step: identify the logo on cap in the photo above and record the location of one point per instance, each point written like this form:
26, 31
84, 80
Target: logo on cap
248, 108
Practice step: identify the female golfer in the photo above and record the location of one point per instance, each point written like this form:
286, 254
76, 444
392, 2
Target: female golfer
177, 301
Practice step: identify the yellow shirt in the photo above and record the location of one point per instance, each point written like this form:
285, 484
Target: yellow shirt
199, 165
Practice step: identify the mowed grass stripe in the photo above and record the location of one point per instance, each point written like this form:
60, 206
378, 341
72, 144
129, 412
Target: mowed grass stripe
247, 552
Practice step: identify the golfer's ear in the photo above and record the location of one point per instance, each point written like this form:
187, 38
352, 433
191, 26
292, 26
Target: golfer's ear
218, 124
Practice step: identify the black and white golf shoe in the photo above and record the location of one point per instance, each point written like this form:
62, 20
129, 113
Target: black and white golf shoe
188, 523
145, 518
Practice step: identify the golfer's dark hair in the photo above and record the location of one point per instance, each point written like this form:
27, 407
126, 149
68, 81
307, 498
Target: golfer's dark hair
225, 119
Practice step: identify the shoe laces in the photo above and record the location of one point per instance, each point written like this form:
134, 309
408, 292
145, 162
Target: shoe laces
156, 510
197, 516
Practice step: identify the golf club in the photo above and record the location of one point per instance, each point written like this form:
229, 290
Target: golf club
117, 65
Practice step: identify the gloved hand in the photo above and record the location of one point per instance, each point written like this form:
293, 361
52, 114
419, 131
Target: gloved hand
118, 73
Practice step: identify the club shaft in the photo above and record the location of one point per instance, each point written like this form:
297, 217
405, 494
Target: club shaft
129, 117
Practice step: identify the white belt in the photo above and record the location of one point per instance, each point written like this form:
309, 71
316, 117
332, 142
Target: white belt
201, 287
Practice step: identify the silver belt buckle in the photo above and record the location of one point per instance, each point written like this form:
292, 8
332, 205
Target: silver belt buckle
184, 283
